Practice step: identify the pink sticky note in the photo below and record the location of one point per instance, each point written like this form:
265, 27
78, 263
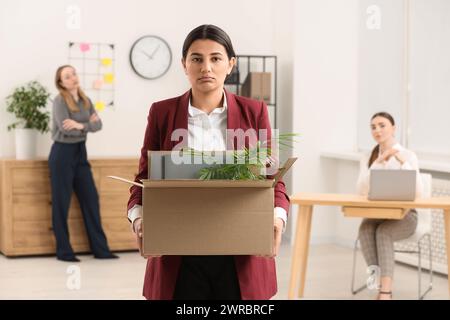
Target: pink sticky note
84, 47
97, 84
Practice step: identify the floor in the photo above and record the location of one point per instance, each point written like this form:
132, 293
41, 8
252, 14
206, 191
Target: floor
47, 278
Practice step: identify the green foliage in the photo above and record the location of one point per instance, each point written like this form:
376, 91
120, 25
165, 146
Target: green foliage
25, 103
229, 172
247, 163
246, 166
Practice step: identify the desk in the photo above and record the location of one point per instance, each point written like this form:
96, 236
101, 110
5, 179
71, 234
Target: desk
351, 204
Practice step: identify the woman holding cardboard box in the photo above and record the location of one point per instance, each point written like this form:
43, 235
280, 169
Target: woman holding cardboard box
73, 117
206, 111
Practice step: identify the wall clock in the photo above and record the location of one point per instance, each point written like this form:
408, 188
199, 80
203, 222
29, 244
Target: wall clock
150, 57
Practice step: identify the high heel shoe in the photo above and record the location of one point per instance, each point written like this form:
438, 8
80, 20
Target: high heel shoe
109, 256
68, 259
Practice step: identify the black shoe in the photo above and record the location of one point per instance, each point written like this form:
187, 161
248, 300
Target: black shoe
69, 259
109, 256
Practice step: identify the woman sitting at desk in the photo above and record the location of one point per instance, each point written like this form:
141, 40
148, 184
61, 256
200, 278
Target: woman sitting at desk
377, 236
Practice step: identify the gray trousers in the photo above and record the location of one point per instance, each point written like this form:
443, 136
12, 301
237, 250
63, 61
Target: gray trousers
377, 237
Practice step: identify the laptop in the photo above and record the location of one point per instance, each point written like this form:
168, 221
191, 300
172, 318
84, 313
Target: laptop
392, 185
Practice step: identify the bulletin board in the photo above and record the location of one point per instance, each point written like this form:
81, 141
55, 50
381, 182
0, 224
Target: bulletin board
94, 63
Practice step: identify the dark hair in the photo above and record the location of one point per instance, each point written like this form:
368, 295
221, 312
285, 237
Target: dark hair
376, 150
211, 32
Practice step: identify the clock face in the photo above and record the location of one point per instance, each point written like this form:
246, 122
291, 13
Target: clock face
150, 57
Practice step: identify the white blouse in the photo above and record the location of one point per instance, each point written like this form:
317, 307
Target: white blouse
411, 163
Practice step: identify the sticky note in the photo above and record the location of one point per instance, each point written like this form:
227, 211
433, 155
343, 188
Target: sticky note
97, 84
108, 77
99, 106
85, 47
106, 62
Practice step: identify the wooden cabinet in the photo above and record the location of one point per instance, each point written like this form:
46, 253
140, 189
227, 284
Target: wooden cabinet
26, 209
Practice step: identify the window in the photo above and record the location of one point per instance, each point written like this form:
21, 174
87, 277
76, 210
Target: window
404, 69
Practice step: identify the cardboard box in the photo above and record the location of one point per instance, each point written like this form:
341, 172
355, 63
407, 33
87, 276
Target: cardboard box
257, 86
208, 217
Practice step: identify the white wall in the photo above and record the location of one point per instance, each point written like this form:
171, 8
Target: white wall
430, 77
283, 38
325, 93
315, 41
381, 66
35, 43
2, 78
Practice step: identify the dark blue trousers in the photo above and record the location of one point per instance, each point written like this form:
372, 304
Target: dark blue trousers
70, 171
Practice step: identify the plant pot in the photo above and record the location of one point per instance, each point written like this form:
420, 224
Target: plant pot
25, 144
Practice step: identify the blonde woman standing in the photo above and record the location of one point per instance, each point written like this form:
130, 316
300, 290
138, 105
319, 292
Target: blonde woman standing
73, 117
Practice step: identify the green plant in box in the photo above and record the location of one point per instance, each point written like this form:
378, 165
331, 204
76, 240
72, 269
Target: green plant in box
247, 163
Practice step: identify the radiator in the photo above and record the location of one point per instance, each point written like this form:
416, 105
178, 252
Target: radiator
440, 188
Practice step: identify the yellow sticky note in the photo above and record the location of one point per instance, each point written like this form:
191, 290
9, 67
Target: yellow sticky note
108, 77
106, 61
99, 106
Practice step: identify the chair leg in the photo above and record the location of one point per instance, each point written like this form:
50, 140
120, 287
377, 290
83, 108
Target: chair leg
430, 257
431, 262
419, 269
353, 290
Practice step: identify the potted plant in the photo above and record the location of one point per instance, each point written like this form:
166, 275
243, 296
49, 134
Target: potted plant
26, 103
248, 163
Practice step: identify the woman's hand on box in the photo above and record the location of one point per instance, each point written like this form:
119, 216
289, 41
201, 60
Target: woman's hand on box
278, 225
137, 227
278, 230
137, 230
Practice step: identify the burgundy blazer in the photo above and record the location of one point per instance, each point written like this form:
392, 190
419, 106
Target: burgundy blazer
257, 276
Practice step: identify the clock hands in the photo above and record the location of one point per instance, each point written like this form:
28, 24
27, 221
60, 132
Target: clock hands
150, 56
154, 51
